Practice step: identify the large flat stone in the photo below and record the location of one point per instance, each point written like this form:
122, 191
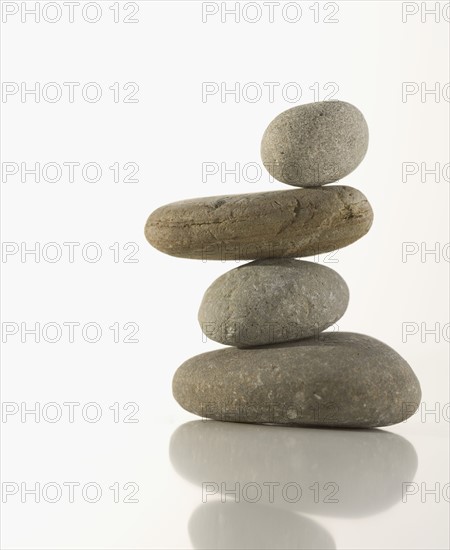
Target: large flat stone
275, 224
338, 379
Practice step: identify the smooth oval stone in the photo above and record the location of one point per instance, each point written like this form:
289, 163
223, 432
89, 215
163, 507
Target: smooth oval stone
339, 379
275, 224
314, 144
272, 301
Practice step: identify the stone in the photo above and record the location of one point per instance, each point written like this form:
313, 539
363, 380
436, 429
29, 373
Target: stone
313, 144
272, 301
275, 224
338, 379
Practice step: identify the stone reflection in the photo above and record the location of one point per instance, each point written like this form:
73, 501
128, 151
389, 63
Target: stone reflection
258, 526
343, 473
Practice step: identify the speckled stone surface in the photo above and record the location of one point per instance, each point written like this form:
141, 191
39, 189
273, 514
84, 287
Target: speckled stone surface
275, 224
338, 379
314, 144
272, 301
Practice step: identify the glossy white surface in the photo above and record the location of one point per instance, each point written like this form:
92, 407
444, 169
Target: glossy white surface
179, 467
398, 289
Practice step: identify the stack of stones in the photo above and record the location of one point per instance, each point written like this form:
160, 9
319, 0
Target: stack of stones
282, 368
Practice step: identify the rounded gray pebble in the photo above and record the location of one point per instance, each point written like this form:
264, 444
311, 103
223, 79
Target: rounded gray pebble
272, 301
313, 144
339, 379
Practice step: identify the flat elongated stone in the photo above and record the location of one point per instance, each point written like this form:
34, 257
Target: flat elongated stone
275, 224
314, 144
338, 379
271, 301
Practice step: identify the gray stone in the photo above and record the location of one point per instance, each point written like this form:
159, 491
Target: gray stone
338, 379
314, 144
275, 224
272, 301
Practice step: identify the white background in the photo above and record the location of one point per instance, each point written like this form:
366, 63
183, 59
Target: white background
368, 53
